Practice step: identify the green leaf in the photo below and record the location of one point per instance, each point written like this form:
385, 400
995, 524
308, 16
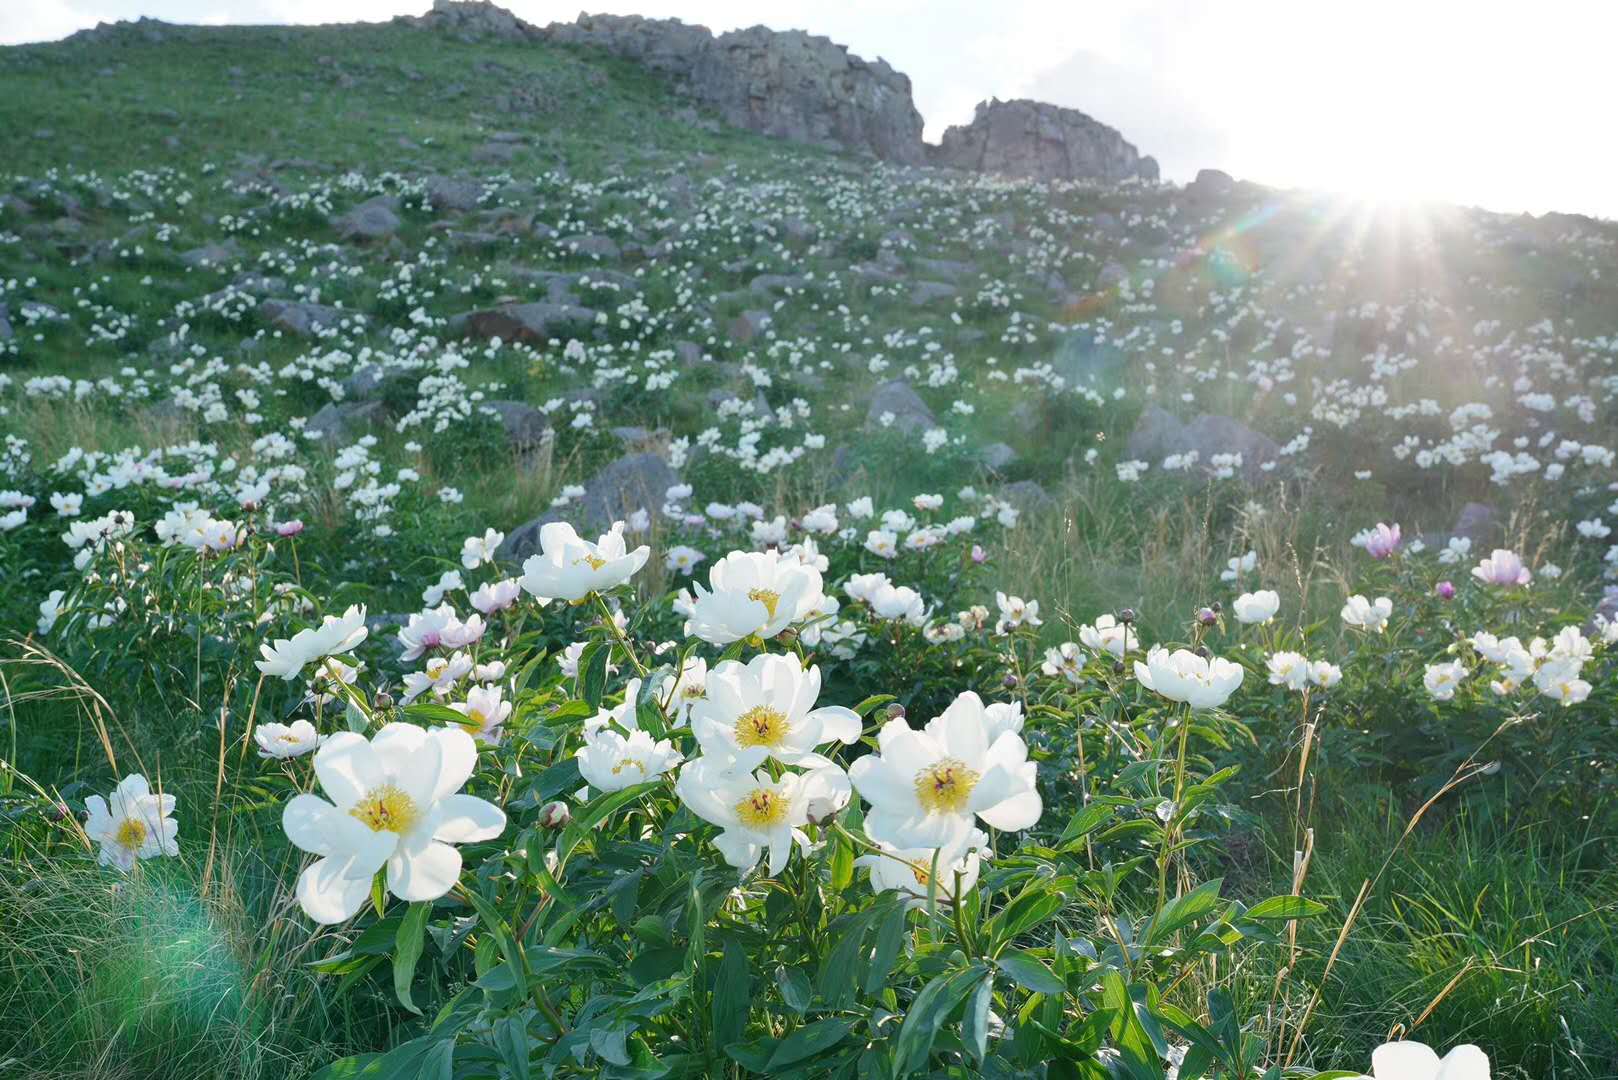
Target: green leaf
808, 1041
975, 1021
1184, 910
838, 970
407, 951
511, 1039
927, 1014
594, 813
1284, 907
733, 992
875, 701
794, 987
1027, 971
889, 939
593, 672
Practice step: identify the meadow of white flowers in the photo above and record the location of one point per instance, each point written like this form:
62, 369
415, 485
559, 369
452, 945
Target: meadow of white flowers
625, 624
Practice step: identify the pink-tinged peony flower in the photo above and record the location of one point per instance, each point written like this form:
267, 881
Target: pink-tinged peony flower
1502, 568
979, 556
1382, 541
289, 528
1445, 590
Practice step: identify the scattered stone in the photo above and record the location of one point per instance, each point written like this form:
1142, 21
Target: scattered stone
997, 457
593, 245
1028, 496
910, 414
1084, 361
633, 482
778, 284
339, 421
374, 219
1476, 522
748, 325
211, 256
927, 292
535, 323
448, 193
1159, 433
299, 317
526, 427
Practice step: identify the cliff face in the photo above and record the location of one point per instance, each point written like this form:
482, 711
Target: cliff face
798, 86
1043, 142
790, 84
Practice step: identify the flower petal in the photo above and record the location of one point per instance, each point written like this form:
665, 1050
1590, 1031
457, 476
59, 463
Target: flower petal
348, 767
327, 895
1404, 1061
423, 872
466, 818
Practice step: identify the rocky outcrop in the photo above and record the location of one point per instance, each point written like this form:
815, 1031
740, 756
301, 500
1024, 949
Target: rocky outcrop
1041, 142
788, 84
1159, 434
474, 20
798, 86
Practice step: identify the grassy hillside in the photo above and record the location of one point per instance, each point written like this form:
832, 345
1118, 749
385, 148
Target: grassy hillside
401, 288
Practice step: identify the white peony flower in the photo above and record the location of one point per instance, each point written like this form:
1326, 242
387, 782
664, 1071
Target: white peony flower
135, 825
569, 568
286, 740
1362, 613
909, 871
753, 594
286, 659
927, 788
394, 803
766, 709
1202, 683
1415, 1061
757, 813
1257, 607
1441, 680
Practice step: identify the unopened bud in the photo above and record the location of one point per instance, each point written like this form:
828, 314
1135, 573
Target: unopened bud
383, 700
1117, 667
554, 815
896, 711
1202, 651
1009, 682
1126, 616
787, 637
1217, 607
1207, 617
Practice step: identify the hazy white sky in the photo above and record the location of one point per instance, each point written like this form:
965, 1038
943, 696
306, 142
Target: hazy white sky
1500, 104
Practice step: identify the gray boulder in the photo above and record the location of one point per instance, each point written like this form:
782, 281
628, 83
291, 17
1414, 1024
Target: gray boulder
923, 293
593, 245
910, 413
299, 317
473, 20
1476, 522
526, 427
5, 323
1083, 361
1159, 433
748, 326
448, 193
633, 482
339, 421
211, 255
1039, 141
374, 219
535, 323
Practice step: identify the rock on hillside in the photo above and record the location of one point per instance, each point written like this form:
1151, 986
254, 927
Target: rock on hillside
1042, 142
787, 84
474, 20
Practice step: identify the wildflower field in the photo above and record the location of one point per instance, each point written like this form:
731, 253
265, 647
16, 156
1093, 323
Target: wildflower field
503, 576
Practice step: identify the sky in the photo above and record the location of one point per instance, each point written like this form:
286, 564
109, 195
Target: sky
1484, 103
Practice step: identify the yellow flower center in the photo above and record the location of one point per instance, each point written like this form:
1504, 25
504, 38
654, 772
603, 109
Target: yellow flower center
594, 562
436, 668
386, 809
762, 809
627, 763
768, 597
131, 834
945, 786
761, 726
923, 874
695, 692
